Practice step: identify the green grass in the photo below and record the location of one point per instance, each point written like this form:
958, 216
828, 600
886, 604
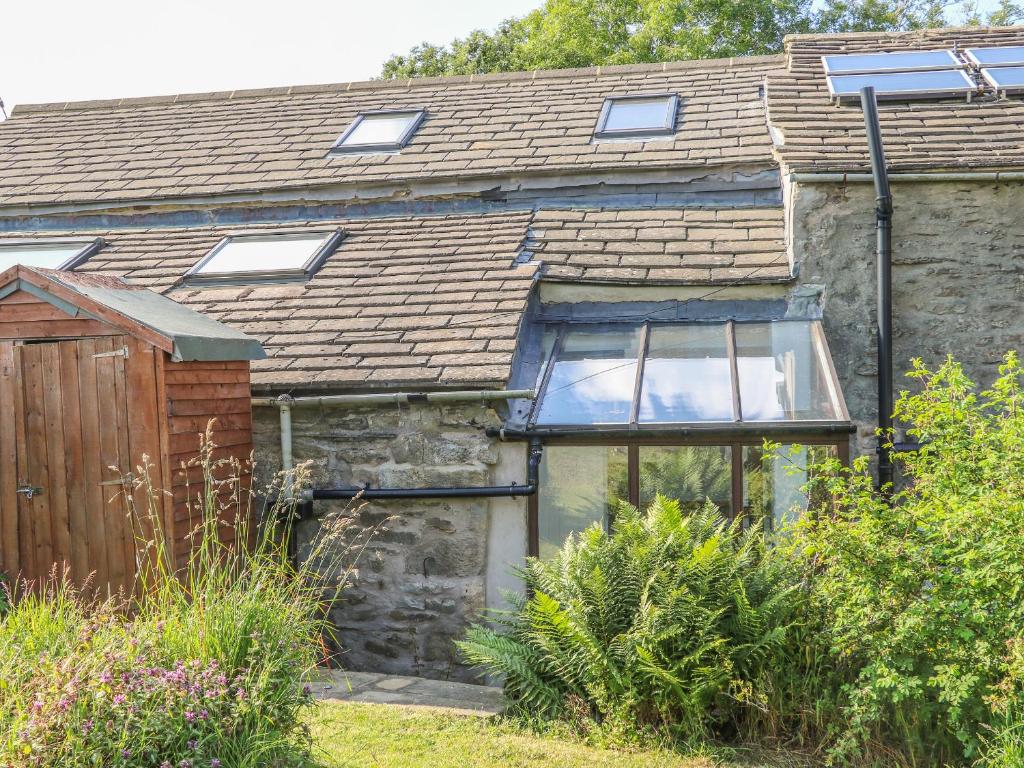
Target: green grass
382, 736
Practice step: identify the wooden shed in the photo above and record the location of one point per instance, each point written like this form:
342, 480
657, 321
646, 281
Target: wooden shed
94, 374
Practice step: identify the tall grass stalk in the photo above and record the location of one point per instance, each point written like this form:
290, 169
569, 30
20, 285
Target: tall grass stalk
205, 663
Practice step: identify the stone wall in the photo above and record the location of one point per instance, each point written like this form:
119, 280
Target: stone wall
427, 572
958, 278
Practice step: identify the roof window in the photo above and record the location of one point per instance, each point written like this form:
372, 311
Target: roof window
638, 116
382, 131
636, 376
48, 254
266, 257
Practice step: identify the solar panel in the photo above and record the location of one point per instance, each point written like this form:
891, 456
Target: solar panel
895, 85
907, 61
1005, 78
997, 57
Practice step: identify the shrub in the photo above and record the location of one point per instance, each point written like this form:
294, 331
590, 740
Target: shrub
669, 622
204, 666
921, 596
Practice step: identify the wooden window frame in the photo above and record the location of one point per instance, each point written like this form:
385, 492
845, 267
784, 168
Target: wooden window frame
633, 443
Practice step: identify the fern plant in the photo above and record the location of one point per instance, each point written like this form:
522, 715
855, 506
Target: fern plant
665, 622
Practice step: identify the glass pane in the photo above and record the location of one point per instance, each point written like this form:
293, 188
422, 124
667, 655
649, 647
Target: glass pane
942, 82
48, 257
881, 62
594, 377
1005, 77
380, 129
638, 114
579, 486
993, 57
690, 473
773, 490
259, 254
781, 376
686, 375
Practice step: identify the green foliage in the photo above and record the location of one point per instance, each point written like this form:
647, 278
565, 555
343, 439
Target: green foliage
203, 666
580, 33
670, 622
921, 595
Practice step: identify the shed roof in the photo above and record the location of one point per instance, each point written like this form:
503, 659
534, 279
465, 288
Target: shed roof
919, 135
478, 127
186, 334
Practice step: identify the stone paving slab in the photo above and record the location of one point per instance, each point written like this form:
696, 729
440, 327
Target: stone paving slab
374, 688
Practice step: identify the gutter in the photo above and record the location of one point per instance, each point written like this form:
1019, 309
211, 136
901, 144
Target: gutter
868, 178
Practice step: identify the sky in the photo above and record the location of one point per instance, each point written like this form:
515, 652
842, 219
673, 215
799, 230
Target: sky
69, 50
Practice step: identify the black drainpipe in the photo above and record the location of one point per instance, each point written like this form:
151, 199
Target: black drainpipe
493, 491
883, 230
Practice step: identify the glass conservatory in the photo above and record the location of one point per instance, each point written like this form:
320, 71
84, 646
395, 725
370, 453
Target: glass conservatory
628, 411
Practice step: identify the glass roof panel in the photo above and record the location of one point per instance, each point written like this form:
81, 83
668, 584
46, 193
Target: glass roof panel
782, 375
246, 254
593, 377
995, 57
46, 255
904, 61
1005, 78
384, 129
687, 376
639, 114
946, 82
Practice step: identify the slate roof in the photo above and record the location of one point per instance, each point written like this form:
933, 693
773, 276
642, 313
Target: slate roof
925, 135
662, 245
477, 127
437, 301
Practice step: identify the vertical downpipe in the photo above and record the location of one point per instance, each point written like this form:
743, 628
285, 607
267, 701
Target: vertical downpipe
883, 231
284, 406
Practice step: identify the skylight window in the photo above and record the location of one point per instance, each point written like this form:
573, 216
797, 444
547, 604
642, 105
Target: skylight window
896, 85
906, 61
688, 373
48, 254
1011, 55
382, 131
638, 116
266, 257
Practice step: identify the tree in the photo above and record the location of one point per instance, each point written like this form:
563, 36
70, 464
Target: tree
582, 33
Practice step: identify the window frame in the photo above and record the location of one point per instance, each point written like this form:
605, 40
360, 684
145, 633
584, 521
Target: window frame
330, 240
668, 128
340, 148
89, 247
634, 442
820, 350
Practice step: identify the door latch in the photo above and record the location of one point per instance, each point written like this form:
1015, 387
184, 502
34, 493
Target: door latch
29, 491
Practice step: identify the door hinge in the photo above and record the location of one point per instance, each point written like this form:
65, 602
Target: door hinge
29, 491
123, 352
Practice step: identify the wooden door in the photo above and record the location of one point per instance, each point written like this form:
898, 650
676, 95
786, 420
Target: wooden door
64, 453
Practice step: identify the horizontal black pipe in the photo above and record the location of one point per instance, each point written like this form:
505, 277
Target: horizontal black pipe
480, 492
730, 430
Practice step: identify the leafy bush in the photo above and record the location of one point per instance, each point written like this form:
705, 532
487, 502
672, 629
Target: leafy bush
920, 596
670, 621
203, 667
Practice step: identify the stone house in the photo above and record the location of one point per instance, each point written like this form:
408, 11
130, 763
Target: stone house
624, 276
